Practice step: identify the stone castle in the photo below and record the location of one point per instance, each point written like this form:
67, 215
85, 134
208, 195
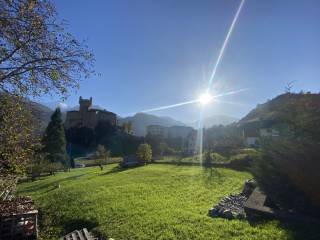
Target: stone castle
88, 116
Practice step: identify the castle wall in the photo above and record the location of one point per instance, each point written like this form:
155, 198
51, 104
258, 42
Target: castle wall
87, 117
109, 117
73, 119
90, 119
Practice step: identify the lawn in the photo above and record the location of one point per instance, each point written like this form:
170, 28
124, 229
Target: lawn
151, 202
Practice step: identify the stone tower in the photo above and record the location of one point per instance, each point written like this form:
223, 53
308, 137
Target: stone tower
85, 104
88, 117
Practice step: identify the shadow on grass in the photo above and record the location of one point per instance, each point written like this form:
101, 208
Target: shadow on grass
50, 186
118, 169
295, 230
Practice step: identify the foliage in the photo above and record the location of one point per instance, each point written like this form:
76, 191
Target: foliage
54, 141
176, 143
144, 152
218, 158
289, 173
103, 131
101, 155
208, 159
157, 201
38, 165
17, 137
37, 55
85, 140
222, 139
72, 162
289, 168
82, 136
156, 143
244, 159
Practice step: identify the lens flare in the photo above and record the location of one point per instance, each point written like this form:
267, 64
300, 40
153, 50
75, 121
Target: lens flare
205, 98
225, 43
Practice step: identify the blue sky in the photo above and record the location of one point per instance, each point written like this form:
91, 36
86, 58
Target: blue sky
154, 53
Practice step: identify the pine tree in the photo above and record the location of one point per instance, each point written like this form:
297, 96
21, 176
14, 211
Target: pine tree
54, 140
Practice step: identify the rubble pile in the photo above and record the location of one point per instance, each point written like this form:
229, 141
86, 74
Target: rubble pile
232, 206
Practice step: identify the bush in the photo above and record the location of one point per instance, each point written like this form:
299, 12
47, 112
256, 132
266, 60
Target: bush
289, 173
289, 169
218, 158
244, 159
144, 152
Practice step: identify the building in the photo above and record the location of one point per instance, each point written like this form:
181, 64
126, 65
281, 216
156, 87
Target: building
157, 130
88, 116
253, 136
269, 132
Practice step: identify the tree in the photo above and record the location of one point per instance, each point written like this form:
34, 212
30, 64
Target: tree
72, 162
163, 147
54, 140
154, 141
208, 161
288, 170
144, 152
17, 141
104, 131
37, 55
83, 136
102, 156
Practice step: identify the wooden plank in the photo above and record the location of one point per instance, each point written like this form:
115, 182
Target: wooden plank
74, 236
255, 203
86, 234
80, 235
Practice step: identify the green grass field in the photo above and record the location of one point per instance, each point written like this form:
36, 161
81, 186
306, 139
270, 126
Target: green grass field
156, 201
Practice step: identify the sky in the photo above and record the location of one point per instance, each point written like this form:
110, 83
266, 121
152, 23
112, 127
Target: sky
154, 53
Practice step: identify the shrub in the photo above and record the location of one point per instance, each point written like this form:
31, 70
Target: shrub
101, 155
144, 152
289, 168
218, 158
289, 173
244, 159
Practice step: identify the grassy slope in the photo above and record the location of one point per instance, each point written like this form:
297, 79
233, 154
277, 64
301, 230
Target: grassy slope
150, 202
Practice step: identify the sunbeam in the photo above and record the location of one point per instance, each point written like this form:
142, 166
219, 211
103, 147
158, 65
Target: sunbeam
226, 40
169, 106
203, 99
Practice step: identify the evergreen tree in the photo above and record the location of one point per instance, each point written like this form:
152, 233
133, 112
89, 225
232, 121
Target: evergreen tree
54, 140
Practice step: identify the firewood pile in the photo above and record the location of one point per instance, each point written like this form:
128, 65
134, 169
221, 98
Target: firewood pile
18, 219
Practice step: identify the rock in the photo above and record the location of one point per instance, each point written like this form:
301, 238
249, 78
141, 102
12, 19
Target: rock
232, 206
227, 214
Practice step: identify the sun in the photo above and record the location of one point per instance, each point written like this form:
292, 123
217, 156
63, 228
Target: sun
205, 98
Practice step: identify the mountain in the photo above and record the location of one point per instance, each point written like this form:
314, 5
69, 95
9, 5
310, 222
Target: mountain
40, 113
214, 121
272, 112
140, 121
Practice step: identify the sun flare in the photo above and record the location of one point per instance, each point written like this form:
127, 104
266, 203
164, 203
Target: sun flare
205, 98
